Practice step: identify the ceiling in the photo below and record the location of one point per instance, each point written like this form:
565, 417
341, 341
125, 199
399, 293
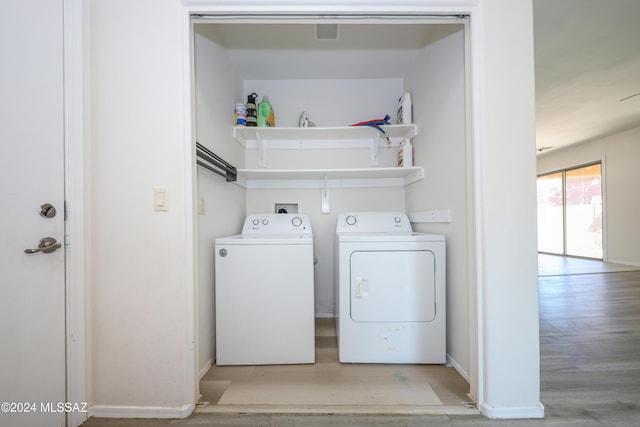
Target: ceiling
587, 60
291, 51
587, 66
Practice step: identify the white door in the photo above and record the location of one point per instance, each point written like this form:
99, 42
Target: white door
32, 293
393, 286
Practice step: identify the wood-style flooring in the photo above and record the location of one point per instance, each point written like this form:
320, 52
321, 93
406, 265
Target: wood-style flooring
590, 361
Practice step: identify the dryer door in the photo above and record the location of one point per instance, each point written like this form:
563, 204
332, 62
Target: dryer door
393, 286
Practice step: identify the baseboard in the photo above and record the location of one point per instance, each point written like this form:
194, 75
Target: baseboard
464, 374
325, 315
206, 368
108, 411
512, 412
622, 262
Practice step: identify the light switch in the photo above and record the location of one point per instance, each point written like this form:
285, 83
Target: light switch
160, 199
201, 207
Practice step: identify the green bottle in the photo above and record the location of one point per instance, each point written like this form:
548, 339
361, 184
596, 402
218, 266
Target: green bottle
264, 111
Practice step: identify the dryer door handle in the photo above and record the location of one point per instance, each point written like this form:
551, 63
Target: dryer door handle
362, 287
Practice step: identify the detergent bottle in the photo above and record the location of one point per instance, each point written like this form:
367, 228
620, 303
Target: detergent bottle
264, 112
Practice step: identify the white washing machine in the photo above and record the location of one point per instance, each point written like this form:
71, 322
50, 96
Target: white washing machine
390, 290
264, 292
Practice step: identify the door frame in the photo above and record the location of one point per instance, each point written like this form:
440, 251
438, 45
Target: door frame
474, 78
76, 254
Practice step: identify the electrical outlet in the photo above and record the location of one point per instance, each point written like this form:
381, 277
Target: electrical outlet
291, 208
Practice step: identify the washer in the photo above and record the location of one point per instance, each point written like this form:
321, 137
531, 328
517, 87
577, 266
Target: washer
390, 290
264, 292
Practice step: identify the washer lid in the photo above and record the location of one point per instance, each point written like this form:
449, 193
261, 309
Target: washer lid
390, 237
266, 239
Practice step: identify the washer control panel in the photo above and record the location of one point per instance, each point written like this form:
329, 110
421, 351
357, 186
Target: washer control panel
276, 224
373, 222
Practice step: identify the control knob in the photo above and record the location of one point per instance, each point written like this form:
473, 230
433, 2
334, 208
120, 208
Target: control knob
296, 221
351, 220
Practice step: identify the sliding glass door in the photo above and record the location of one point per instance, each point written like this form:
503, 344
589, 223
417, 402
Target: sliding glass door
551, 213
570, 212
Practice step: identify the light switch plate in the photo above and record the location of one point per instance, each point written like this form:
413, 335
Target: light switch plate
160, 202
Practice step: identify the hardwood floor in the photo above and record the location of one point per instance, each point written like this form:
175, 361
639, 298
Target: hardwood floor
590, 364
590, 347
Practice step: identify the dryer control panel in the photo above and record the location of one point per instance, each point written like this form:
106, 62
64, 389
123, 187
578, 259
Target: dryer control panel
373, 222
276, 224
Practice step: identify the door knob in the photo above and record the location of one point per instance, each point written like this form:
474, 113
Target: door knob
46, 245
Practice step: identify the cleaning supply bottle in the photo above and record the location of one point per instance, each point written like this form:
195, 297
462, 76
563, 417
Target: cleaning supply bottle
252, 114
405, 154
271, 122
405, 110
264, 111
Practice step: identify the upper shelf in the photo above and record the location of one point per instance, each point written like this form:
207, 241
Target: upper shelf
295, 137
264, 138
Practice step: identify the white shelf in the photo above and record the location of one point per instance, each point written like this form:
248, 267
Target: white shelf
296, 137
329, 178
265, 138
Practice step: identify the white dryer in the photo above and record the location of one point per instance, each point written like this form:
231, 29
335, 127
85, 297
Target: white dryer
264, 292
390, 290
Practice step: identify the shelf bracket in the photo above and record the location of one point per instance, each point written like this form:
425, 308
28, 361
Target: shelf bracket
375, 142
325, 197
262, 150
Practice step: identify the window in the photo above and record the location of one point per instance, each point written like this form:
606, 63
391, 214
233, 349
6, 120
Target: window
570, 212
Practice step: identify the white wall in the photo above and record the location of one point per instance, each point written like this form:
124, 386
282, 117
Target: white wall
621, 178
329, 102
505, 208
138, 336
216, 91
141, 309
437, 85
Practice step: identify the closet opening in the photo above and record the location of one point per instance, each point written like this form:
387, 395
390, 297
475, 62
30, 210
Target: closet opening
335, 72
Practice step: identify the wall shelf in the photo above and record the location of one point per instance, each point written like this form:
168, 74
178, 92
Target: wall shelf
288, 138
296, 137
329, 178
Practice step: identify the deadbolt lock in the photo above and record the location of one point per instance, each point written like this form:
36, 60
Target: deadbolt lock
47, 210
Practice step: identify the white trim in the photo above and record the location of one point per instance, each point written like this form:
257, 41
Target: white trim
76, 344
382, 8
623, 262
455, 365
191, 372
205, 368
113, 411
512, 412
475, 43
605, 216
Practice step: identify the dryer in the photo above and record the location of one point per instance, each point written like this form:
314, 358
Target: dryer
390, 290
264, 292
